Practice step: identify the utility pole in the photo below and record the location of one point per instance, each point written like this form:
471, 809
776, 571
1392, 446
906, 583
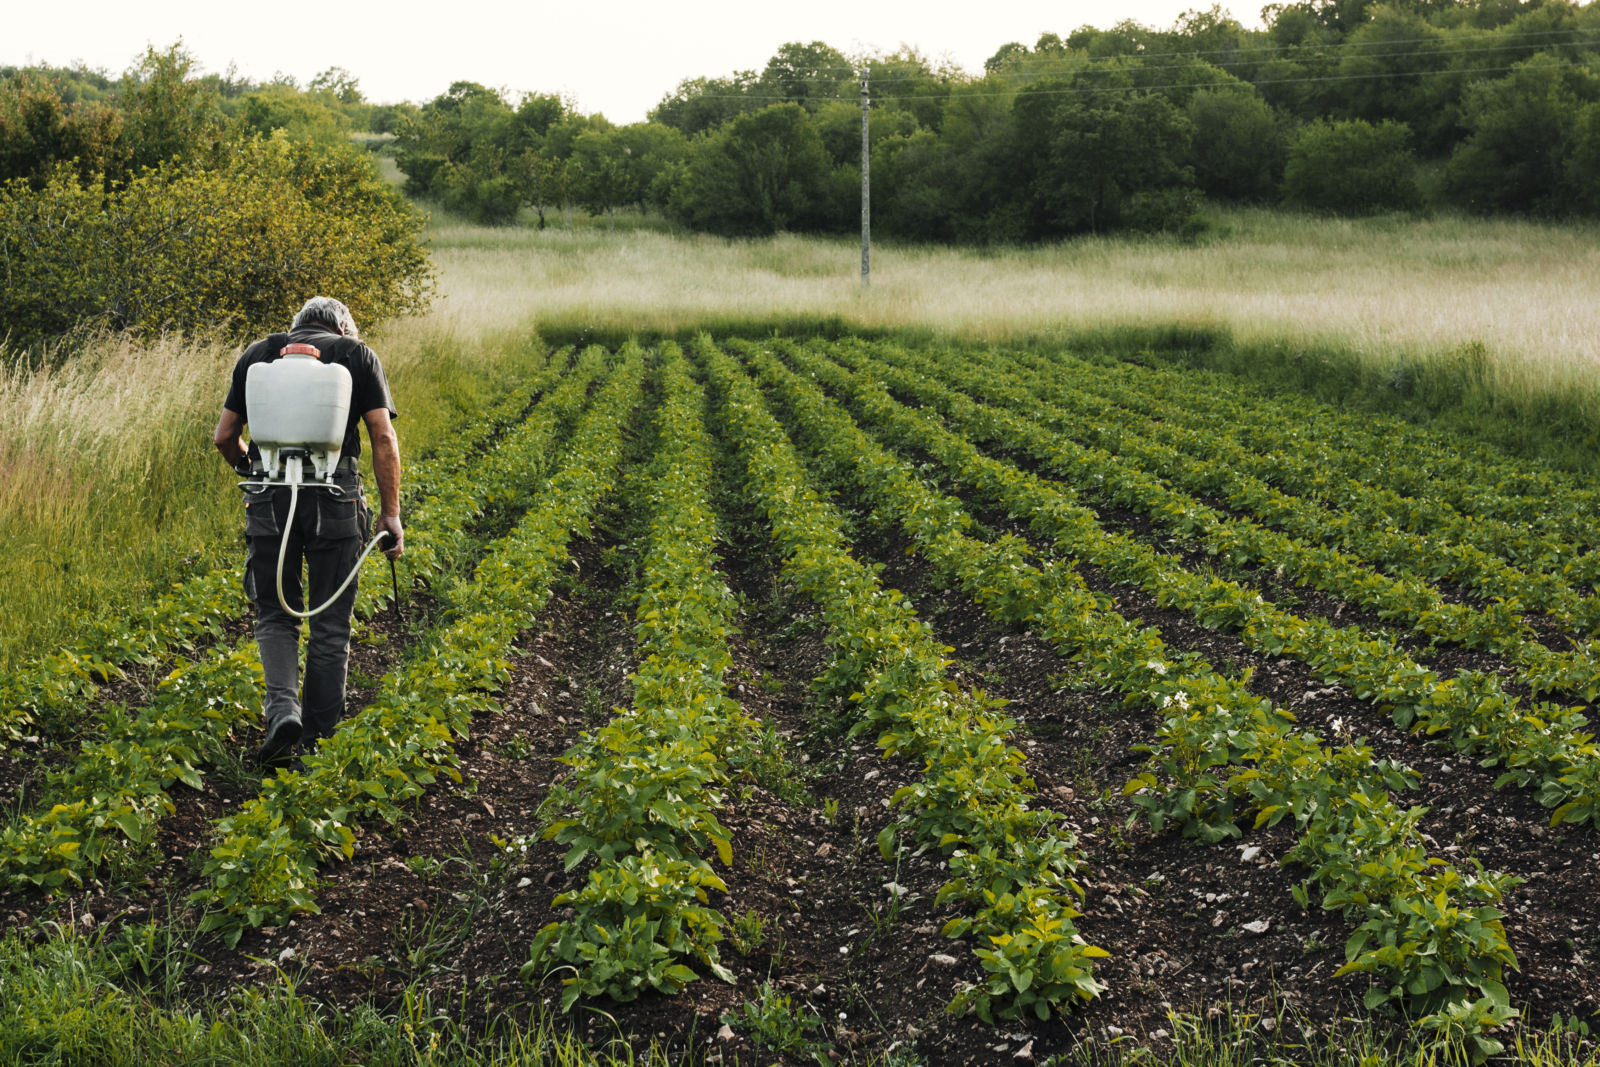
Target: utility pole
866, 187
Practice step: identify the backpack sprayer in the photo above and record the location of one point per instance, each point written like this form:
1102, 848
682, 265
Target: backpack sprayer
299, 408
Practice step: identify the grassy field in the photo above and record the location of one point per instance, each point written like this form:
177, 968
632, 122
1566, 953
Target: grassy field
109, 488
1387, 291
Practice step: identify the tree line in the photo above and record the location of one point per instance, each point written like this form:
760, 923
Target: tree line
1345, 106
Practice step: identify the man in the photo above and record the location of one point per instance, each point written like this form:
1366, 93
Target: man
329, 532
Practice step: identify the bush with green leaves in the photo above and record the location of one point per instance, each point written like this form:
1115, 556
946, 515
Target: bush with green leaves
762, 173
239, 245
1525, 127
1352, 167
1236, 147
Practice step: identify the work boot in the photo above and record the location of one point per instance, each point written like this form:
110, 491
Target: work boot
282, 735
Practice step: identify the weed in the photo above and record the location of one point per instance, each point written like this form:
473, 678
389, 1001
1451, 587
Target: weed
776, 1023
425, 866
515, 748
749, 932
774, 771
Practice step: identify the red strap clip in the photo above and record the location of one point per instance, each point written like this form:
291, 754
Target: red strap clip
301, 350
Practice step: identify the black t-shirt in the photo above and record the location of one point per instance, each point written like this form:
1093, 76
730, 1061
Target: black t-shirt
369, 389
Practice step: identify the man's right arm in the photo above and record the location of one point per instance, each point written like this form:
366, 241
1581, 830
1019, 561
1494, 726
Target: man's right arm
386, 469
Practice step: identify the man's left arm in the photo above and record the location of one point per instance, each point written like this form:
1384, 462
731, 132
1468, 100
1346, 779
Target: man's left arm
228, 437
386, 469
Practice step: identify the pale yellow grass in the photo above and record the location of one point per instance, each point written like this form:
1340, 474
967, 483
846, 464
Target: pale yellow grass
1384, 289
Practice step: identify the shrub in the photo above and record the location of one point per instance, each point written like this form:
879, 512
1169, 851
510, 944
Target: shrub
239, 245
1237, 148
1523, 130
761, 173
1352, 168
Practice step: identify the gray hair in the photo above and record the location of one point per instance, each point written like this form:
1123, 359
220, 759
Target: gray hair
329, 312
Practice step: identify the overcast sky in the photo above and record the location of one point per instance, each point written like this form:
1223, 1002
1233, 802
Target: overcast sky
619, 57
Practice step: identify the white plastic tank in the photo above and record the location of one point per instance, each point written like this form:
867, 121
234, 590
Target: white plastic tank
297, 401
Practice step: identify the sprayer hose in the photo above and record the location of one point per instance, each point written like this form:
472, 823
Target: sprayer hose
283, 550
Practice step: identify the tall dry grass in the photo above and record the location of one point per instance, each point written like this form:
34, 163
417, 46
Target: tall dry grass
106, 491
1384, 290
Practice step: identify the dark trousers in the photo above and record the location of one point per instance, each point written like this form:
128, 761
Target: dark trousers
327, 536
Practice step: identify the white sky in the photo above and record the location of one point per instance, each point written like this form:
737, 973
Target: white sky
619, 57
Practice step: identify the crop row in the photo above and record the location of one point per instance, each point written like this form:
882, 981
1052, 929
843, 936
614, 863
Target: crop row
1128, 475
1428, 933
643, 791
115, 790
1012, 863
1540, 745
264, 865
1498, 628
1414, 535
1421, 480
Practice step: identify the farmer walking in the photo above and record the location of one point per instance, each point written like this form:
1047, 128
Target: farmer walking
328, 532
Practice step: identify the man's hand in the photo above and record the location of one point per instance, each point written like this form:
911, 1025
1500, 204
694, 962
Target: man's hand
394, 545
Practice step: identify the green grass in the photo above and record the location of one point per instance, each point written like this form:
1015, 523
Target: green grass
126, 1000
116, 1002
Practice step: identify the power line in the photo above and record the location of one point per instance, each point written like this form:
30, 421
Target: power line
1084, 90
1494, 38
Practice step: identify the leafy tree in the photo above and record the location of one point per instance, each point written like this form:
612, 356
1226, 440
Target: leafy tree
1126, 38
1238, 148
1583, 161
1524, 127
808, 74
650, 150
701, 104
909, 198
1399, 67
536, 114
906, 81
981, 149
761, 173
39, 132
389, 118
1352, 167
167, 112
1104, 160
603, 181
302, 116
343, 85
1011, 51
445, 131
838, 123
